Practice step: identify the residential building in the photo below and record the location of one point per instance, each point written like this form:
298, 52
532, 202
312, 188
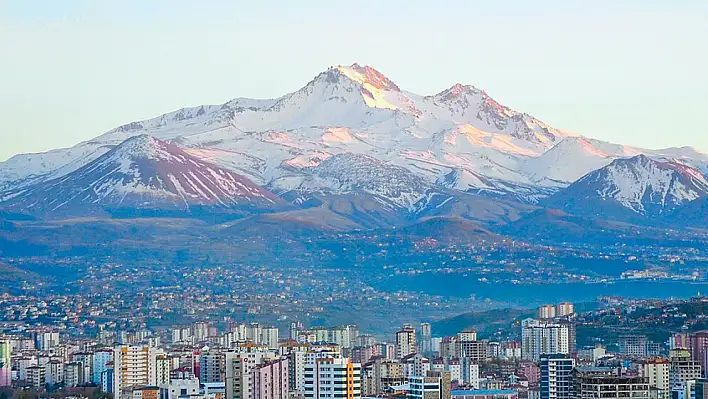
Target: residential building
633, 345
485, 394
35, 377
656, 370
54, 372
5, 364
180, 389
546, 312
699, 348
270, 380
405, 342
564, 309
100, 363
426, 339
593, 386
210, 367
556, 376
163, 369
73, 374
682, 367
432, 385
134, 366
540, 337
331, 378
238, 367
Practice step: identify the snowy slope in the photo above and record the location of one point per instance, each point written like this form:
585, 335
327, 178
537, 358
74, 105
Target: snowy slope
639, 185
459, 138
141, 172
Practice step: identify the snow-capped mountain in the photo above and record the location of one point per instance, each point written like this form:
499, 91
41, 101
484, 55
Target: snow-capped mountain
142, 172
639, 185
352, 130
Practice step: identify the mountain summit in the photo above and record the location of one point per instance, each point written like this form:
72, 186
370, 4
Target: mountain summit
142, 172
639, 185
353, 139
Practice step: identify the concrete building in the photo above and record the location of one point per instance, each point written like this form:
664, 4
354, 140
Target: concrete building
35, 377
331, 378
432, 385
656, 370
85, 361
297, 356
210, 367
470, 372
485, 394
99, 363
699, 348
143, 392
633, 345
45, 340
163, 369
134, 366
269, 337
54, 372
546, 312
405, 341
564, 309
682, 367
426, 339
73, 374
270, 380
238, 367
591, 387
5, 364
107, 379
466, 345
539, 337
556, 376
415, 364
180, 389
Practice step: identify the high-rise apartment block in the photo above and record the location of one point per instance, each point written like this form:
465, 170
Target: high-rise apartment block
332, 378
542, 337
556, 376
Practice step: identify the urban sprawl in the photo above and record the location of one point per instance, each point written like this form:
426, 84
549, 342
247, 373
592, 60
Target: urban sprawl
536, 357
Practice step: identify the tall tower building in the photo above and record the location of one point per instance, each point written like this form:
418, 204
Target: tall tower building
657, 372
633, 345
546, 312
269, 337
270, 380
210, 366
699, 348
134, 366
332, 378
682, 368
426, 338
556, 376
590, 386
564, 309
405, 341
239, 366
5, 365
540, 337
100, 361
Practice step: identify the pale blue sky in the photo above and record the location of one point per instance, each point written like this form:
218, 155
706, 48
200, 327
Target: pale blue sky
633, 72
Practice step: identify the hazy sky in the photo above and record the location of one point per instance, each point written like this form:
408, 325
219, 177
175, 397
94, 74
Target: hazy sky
633, 72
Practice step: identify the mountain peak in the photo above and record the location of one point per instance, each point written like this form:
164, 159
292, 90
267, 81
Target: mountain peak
368, 77
143, 146
639, 184
144, 172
